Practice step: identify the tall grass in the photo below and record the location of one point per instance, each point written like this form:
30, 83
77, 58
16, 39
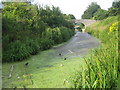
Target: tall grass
101, 69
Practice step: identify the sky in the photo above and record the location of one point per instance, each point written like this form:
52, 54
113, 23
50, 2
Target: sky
75, 7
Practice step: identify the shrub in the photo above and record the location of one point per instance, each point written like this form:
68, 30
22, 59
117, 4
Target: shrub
58, 35
100, 14
66, 34
45, 43
17, 51
33, 45
28, 29
53, 34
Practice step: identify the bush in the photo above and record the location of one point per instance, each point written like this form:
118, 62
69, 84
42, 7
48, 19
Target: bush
53, 34
33, 45
20, 50
100, 14
58, 35
66, 34
45, 43
17, 51
28, 29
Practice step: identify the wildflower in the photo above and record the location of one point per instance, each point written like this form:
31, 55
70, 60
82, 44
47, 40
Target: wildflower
110, 29
113, 27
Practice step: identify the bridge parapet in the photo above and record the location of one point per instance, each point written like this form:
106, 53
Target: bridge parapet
86, 22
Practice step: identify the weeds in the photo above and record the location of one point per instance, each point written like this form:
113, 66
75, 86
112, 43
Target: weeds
102, 65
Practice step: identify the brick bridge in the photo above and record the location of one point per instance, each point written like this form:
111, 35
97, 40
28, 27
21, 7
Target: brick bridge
86, 22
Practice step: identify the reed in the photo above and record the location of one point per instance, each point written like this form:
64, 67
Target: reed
102, 65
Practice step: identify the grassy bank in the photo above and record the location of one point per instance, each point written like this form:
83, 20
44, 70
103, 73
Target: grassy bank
102, 65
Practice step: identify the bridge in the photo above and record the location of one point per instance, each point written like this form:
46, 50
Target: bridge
86, 22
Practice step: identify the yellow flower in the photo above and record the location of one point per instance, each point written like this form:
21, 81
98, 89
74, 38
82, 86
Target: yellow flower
110, 29
113, 27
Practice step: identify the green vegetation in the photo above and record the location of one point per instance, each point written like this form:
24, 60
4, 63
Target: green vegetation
28, 29
115, 9
71, 16
89, 12
100, 14
94, 11
43, 71
79, 26
102, 67
82, 26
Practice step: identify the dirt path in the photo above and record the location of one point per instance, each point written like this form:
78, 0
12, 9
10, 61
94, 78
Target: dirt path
78, 45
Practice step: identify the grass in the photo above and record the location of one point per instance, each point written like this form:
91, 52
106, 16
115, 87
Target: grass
44, 71
102, 66
101, 25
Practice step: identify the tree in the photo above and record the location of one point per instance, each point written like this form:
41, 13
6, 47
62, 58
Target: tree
100, 14
89, 12
115, 9
28, 28
71, 16
116, 4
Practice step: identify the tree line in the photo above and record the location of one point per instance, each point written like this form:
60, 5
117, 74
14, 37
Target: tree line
28, 29
94, 11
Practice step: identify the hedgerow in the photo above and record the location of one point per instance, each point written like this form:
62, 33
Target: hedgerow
28, 29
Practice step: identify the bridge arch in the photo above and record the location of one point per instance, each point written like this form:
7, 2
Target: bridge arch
86, 22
